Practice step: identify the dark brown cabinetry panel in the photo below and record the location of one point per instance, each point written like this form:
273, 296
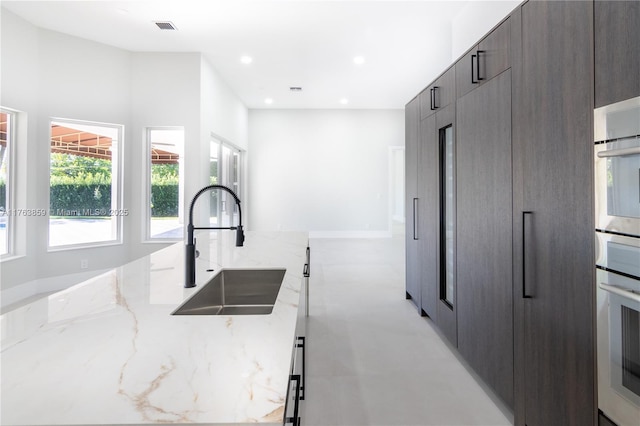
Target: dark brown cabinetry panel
439, 94
466, 72
446, 303
428, 194
485, 60
617, 51
484, 251
495, 49
412, 138
553, 216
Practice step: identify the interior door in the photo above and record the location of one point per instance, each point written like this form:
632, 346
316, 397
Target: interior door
225, 169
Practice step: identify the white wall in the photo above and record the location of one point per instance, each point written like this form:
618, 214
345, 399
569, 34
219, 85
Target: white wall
475, 21
48, 74
324, 171
165, 91
17, 90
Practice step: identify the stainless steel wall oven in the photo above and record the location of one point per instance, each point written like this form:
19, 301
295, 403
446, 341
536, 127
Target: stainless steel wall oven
617, 209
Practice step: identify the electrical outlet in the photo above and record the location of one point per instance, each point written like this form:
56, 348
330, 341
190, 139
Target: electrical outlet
84, 264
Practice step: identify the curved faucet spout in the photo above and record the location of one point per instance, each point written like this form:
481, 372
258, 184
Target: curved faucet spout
190, 256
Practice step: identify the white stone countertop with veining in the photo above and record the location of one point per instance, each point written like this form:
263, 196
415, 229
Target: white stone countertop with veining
108, 352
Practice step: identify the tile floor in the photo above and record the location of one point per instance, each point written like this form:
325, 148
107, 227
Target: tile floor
372, 360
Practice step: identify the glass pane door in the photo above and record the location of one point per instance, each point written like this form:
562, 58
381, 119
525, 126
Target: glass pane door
224, 170
447, 219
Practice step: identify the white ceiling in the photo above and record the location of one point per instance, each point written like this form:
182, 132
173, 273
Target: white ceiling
310, 44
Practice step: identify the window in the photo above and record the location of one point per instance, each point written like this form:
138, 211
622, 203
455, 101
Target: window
84, 185
165, 183
225, 168
7, 140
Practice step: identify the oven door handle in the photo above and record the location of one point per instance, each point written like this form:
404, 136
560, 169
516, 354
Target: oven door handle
619, 152
627, 294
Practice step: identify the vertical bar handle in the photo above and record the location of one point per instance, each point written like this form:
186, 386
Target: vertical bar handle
306, 272
295, 420
301, 343
473, 79
415, 219
478, 65
433, 97
525, 231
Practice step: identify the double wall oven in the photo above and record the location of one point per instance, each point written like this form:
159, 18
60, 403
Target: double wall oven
617, 199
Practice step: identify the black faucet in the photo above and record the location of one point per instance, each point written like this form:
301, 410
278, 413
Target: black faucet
190, 257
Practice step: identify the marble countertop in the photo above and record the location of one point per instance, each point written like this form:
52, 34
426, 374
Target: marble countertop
107, 351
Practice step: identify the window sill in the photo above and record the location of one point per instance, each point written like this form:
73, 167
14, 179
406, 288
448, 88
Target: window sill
53, 249
11, 257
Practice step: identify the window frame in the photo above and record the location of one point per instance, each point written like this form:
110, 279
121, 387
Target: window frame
116, 184
10, 159
146, 190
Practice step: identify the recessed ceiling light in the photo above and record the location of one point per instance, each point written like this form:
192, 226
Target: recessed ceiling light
268, 101
246, 59
358, 60
344, 101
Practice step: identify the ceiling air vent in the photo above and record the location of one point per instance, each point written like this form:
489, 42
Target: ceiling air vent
295, 89
166, 25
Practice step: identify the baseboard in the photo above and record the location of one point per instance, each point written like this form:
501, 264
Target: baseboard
349, 234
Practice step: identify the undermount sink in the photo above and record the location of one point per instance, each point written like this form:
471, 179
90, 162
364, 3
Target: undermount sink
236, 292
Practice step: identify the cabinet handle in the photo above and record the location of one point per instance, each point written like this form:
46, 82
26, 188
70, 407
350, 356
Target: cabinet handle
525, 214
415, 219
478, 65
307, 275
431, 99
302, 345
473, 79
295, 420
434, 105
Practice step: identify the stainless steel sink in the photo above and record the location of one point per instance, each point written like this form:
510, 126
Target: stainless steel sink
236, 292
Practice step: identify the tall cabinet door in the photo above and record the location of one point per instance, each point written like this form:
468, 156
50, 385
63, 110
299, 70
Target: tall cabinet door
437, 218
553, 218
428, 194
445, 221
484, 251
617, 55
412, 202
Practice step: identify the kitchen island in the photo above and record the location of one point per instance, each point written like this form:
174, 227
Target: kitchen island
109, 352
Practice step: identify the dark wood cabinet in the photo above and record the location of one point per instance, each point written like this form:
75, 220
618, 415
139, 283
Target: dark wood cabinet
495, 51
467, 72
484, 230
519, 303
439, 94
485, 60
444, 136
617, 51
412, 138
437, 302
553, 219
428, 216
